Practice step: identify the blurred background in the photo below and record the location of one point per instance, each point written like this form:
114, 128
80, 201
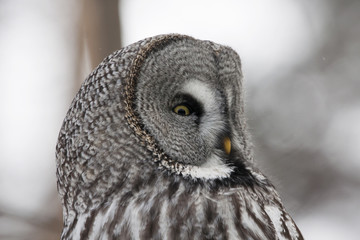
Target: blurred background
301, 62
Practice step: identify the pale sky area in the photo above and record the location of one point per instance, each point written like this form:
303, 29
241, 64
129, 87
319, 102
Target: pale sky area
277, 41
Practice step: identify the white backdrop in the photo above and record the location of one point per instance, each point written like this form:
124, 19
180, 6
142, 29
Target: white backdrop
277, 41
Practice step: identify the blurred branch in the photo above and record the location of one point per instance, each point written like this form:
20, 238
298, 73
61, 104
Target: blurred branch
99, 34
101, 28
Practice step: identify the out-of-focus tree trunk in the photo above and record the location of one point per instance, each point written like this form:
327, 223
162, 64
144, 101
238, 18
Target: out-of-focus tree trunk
99, 34
101, 28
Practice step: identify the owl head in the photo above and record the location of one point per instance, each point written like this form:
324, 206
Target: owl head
155, 146
169, 105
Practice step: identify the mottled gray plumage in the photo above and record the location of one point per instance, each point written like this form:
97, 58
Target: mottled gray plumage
129, 167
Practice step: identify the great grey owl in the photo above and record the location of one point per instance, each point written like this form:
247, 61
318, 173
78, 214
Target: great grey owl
155, 146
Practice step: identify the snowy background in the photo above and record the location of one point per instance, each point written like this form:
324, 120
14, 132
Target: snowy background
301, 62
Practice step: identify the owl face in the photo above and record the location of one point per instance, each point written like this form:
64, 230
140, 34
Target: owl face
186, 106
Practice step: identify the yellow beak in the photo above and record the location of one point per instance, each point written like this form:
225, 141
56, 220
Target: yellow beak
227, 145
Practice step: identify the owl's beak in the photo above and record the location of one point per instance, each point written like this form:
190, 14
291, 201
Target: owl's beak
227, 145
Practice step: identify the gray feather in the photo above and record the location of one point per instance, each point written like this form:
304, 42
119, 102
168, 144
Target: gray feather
128, 167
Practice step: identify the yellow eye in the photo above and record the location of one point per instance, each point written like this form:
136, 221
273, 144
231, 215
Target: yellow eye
182, 110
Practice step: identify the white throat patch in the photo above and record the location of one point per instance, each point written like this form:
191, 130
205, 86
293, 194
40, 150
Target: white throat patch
213, 168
